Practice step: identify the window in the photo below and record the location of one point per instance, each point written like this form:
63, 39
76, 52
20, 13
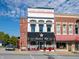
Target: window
48, 28
77, 46
32, 27
33, 21
40, 27
48, 43
33, 43
70, 29
64, 29
48, 22
58, 30
76, 29
41, 21
61, 45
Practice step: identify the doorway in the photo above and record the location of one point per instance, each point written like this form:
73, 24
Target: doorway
69, 46
40, 45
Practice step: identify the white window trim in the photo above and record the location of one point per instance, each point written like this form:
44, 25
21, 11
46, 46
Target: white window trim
66, 28
56, 28
72, 28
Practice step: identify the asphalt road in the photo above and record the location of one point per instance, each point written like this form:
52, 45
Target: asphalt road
31, 56
63, 57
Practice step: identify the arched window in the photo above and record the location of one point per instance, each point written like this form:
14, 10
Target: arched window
33, 24
41, 23
32, 21
49, 24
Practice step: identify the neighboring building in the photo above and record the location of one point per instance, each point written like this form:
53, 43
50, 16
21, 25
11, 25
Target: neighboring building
67, 32
37, 30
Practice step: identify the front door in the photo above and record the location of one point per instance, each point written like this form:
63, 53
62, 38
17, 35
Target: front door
69, 46
40, 45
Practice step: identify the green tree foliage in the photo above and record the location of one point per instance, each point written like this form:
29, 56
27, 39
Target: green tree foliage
2, 35
13, 40
7, 39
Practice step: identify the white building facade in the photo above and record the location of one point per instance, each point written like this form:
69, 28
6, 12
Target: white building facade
40, 28
40, 16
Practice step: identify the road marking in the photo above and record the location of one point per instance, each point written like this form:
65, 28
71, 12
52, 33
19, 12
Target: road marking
32, 57
2, 57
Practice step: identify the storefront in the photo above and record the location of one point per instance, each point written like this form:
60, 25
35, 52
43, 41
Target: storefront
41, 41
61, 45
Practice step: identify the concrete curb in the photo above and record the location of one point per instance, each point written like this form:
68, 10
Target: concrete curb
37, 53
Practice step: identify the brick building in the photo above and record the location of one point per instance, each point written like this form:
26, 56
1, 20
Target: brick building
42, 30
67, 32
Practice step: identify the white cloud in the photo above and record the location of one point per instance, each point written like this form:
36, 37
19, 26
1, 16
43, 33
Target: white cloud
61, 6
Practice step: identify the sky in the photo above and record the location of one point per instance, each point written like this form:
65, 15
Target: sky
12, 10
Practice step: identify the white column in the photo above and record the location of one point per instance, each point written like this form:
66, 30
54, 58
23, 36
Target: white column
29, 27
37, 28
44, 28
52, 28
45, 44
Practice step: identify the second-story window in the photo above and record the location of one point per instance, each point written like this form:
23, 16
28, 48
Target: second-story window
76, 29
49, 25
32, 24
40, 27
48, 28
58, 30
41, 23
32, 27
64, 29
70, 29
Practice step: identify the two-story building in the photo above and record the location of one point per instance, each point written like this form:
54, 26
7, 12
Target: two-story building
37, 30
67, 32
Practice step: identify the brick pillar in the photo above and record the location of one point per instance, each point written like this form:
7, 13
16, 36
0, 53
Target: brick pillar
23, 34
73, 47
67, 28
55, 32
54, 26
73, 28
61, 25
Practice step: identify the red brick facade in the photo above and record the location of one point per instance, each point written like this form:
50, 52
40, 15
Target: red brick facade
23, 33
66, 19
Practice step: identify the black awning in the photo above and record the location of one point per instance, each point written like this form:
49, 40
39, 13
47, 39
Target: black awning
41, 36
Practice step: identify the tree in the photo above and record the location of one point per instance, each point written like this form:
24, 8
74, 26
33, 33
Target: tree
2, 35
6, 39
13, 40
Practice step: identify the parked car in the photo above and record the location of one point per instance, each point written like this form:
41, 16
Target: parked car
10, 47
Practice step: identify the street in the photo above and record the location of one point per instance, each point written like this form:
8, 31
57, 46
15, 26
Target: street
34, 56
9, 56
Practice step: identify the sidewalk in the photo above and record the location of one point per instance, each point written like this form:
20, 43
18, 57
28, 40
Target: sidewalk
2, 51
61, 53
